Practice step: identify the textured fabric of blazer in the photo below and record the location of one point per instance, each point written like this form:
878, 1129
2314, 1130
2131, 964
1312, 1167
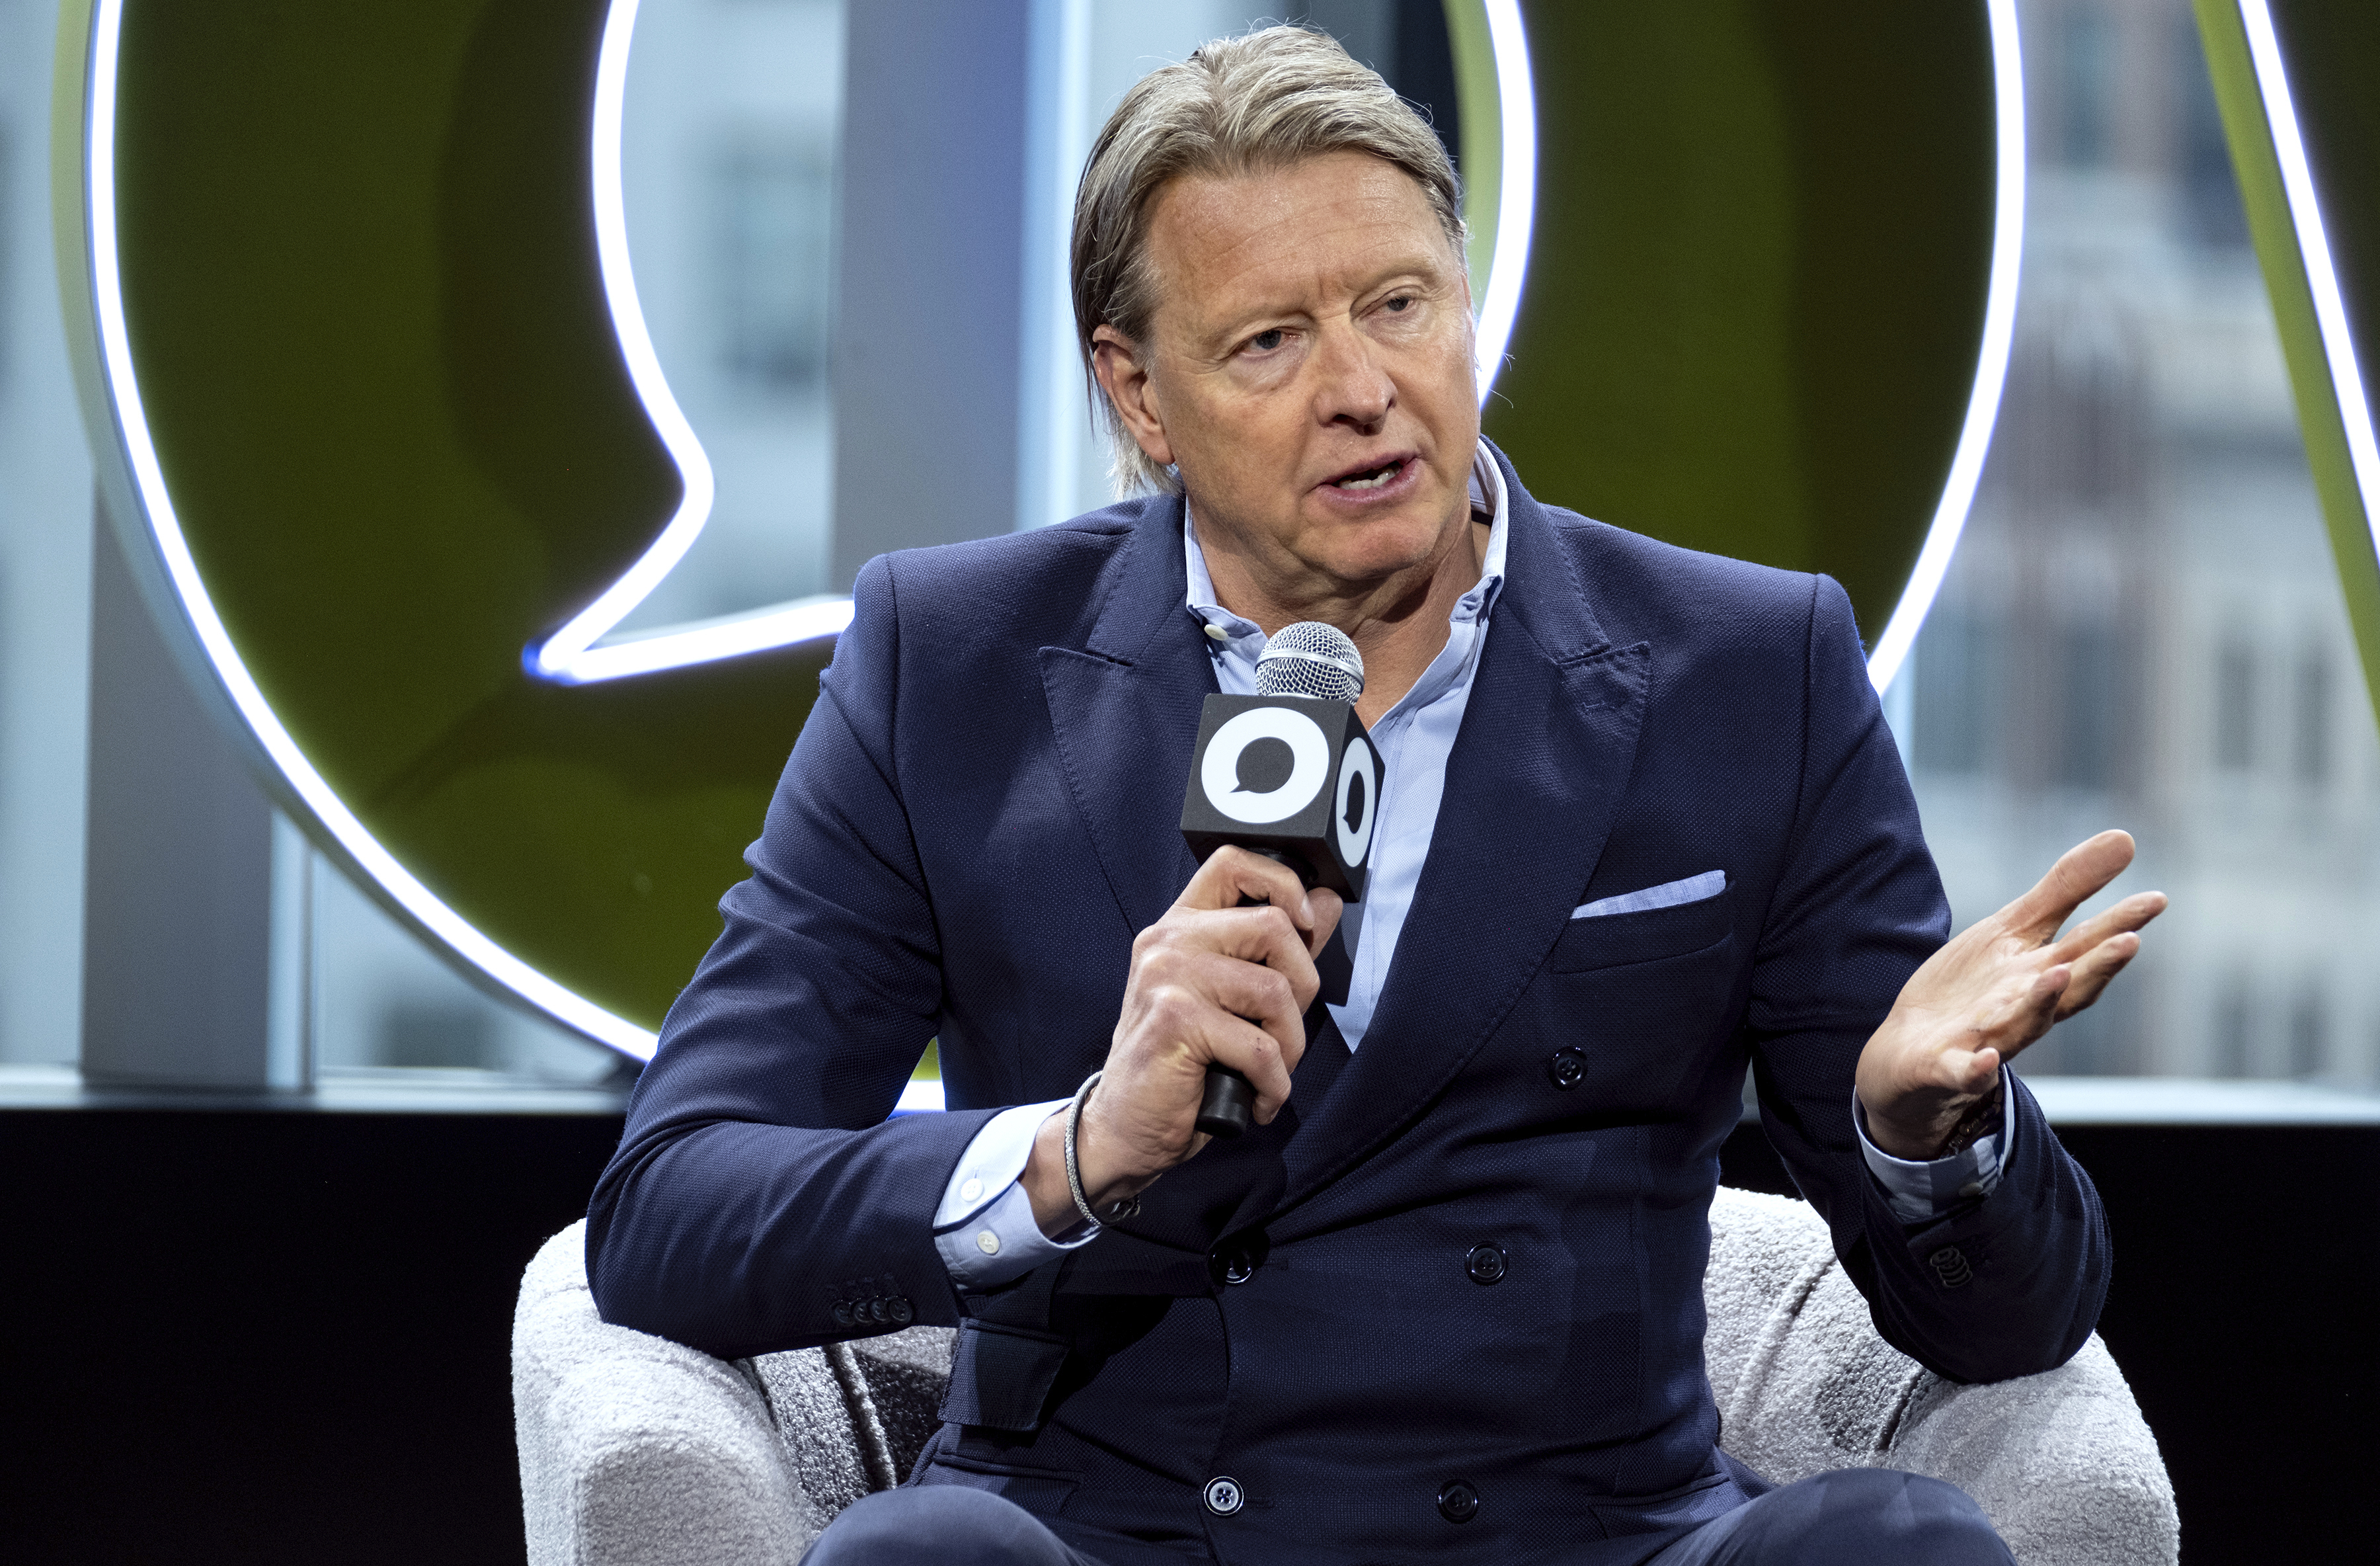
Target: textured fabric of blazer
980, 815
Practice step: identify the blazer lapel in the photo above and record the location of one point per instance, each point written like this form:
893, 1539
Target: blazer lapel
1537, 775
1124, 709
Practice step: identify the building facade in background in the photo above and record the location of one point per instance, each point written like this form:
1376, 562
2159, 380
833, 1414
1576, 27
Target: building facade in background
2144, 625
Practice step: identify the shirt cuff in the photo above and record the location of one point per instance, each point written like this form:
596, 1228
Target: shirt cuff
1918, 1191
984, 1228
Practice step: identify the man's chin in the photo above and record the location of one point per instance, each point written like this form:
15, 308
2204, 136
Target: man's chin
1356, 552
1375, 549
1362, 572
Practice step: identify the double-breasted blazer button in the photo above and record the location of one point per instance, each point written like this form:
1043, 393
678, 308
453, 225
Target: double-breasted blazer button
1458, 1502
899, 1308
843, 1312
1949, 1265
1567, 1068
1485, 1263
1224, 1495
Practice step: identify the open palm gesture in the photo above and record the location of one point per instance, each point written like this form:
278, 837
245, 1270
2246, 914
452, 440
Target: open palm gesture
1999, 986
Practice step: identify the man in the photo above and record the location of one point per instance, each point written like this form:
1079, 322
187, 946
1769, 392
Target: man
1642, 824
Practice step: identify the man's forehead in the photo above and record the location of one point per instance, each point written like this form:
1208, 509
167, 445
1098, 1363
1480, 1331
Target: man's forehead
1220, 240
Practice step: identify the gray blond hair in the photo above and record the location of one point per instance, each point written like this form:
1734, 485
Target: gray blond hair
1235, 106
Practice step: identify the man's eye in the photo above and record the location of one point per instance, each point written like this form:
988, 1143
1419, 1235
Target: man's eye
1264, 342
1399, 303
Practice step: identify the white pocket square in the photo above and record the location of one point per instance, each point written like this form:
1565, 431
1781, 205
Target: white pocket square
1668, 894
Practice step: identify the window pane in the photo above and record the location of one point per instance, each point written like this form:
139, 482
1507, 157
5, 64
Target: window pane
2235, 707
1955, 689
772, 251
2311, 739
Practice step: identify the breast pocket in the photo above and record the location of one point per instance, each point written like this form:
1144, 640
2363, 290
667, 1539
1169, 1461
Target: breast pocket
1615, 939
1645, 996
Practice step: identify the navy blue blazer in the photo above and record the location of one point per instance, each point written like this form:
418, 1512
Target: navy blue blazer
980, 815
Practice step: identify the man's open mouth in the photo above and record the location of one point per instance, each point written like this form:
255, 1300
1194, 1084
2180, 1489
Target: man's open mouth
1369, 478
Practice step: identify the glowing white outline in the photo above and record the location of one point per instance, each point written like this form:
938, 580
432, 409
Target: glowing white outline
123, 393
1991, 363
2314, 249
1516, 190
569, 657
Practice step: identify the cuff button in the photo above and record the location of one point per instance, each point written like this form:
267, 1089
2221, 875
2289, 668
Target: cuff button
1949, 1265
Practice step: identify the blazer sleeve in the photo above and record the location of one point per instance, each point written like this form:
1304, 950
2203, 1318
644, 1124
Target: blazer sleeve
759, 1182
2006, 1285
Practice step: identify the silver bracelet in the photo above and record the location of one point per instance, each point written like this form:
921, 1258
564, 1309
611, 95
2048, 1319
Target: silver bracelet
1117, 1211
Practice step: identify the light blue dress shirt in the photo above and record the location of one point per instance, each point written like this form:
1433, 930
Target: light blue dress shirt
984, 1229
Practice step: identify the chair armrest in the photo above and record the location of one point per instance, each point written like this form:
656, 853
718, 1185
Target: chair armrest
2062, 1462
634, 1449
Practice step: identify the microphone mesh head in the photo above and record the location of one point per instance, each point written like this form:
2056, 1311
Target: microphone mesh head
1312, 660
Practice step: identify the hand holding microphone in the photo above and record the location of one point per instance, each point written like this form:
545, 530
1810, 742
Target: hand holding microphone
1282, 793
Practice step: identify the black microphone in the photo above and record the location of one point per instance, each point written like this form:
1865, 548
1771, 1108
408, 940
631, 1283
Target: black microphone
1290, 774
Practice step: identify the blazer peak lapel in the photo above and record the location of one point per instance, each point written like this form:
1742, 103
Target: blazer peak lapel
1124, 711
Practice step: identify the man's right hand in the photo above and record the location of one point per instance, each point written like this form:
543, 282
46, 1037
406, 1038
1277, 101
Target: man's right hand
1210, 983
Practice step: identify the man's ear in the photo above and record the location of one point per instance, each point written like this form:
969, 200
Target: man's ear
1122, 371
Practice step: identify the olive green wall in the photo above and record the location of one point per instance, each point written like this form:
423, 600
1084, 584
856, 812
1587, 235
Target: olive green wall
1757, 292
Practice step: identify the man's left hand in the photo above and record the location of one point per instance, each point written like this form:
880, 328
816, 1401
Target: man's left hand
1998, 987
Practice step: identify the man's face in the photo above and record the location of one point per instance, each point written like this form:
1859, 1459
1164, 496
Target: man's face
1310, 368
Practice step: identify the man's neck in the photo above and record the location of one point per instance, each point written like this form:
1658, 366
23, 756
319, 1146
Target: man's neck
1398, 624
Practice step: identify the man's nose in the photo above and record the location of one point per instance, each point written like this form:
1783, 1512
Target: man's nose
1353, 388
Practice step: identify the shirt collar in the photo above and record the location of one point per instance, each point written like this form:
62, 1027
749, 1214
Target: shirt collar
1488, 497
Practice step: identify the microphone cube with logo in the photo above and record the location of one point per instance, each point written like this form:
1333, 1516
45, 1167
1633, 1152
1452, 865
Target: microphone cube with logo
1290, 774
1294, 778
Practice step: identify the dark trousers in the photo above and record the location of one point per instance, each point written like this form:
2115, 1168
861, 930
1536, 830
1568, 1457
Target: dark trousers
1869, 1516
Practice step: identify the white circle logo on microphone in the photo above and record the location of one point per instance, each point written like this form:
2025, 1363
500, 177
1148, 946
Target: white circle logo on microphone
1358, 801
1265, 766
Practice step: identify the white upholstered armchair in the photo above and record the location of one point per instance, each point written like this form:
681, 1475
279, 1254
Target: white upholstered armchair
636, 1451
